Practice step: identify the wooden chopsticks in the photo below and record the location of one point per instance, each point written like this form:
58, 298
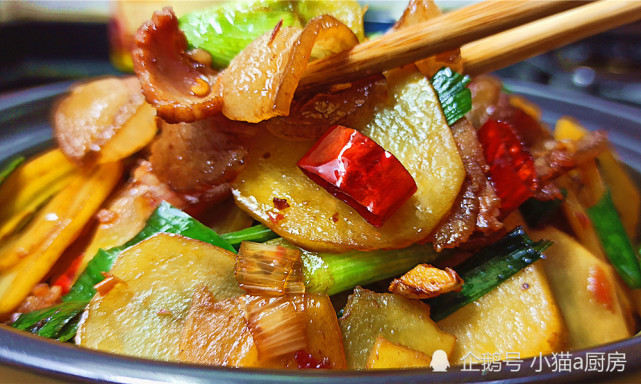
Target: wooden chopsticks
509, 47
477, 22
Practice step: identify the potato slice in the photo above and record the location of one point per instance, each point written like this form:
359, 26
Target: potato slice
410, 125
215, 332
398, 319
520, 315
324, 338
578, 219
144, 315
104, 120
585, 289
124, 216
135, 134
388, 355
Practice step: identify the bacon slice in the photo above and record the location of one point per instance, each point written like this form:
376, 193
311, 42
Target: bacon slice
311, 115
477, 205
146, 182
181, 89
194, 157
260, 81
258, 84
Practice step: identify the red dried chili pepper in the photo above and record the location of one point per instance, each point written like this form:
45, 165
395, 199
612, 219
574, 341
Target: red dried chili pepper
355, 169
66, 280
511, 164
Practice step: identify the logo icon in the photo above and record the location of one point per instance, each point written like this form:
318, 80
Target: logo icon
439, 361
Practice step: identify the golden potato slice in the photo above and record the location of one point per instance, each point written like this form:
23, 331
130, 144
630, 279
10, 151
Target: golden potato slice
520, 315
104, 120
585, 289
121, 219
144, 315
215, 332
324, 338
398, 319
410, 125
388, 355
138, 131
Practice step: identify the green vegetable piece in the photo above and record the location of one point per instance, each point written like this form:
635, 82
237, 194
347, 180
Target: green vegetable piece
69, 330
165, 219
348, 12
331, 273
487, 269
83, 288
615, 241
53, 322
10, 166
258, 234
226, 29
455, 97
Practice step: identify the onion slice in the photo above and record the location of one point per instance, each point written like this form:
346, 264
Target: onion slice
269, 270
260, 81
277, 324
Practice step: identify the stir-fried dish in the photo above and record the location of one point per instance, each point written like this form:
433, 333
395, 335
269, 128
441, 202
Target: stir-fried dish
205, 211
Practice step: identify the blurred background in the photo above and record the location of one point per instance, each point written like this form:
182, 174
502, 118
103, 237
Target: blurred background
49, 41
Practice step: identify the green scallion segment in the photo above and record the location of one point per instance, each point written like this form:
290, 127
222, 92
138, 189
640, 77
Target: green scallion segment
487, 269
258, 233
56, 322
452, 91
331, 273
615, 241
